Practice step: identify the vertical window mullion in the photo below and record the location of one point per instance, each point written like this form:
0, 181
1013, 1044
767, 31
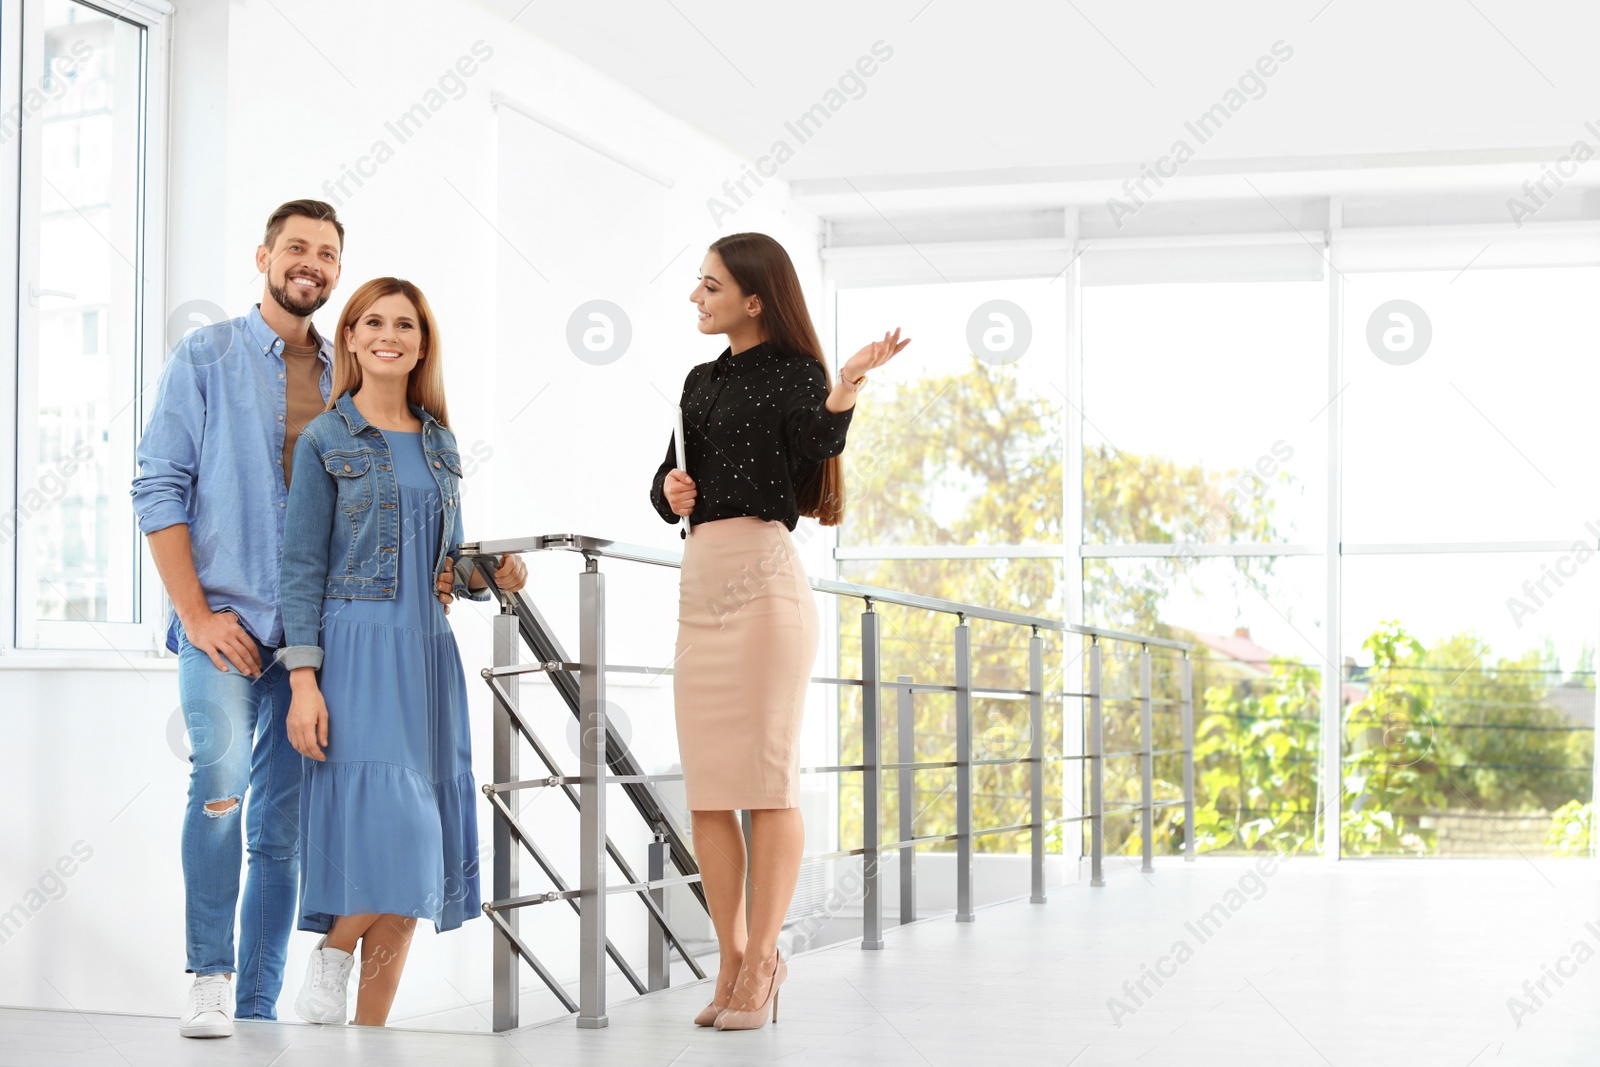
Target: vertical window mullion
1331, 728
28, 140
11, 82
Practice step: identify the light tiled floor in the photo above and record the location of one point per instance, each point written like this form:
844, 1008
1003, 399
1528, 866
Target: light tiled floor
1360, 963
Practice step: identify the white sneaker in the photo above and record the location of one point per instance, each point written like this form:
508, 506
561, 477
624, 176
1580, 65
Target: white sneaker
325, 997
210, 1012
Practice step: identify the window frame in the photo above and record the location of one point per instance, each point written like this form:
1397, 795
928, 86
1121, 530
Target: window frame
21, 51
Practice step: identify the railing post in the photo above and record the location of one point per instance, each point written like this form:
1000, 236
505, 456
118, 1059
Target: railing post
906, 738
507, 641
871, 786
592, 798
1097, 768
1146, 763
1036, 756
1188, 758
747, 830
963, 771
659, 972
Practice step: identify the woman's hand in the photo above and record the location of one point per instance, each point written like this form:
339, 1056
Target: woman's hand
512, 574
872, 355
307, 724
679, 490
445, 586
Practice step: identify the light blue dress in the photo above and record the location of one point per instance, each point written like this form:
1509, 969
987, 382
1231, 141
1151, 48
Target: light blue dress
388, 820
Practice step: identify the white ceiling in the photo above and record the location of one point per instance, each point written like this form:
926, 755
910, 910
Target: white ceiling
1081, 83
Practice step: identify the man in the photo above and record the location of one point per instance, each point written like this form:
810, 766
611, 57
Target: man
210, 495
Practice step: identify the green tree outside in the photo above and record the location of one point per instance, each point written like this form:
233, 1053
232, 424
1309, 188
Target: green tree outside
1445, 728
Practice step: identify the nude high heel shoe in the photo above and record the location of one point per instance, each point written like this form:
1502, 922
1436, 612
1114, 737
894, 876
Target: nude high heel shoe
708, 1014
756, 1018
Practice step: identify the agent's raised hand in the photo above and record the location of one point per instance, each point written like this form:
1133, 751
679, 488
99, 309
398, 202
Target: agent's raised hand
872, 355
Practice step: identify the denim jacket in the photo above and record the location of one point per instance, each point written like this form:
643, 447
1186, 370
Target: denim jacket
342, 468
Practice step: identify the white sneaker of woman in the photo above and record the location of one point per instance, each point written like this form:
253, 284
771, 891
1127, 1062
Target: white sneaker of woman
325, 997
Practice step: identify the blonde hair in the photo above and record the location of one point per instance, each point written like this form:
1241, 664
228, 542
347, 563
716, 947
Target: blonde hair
425, 387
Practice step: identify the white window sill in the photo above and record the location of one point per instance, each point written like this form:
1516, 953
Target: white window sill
136, 662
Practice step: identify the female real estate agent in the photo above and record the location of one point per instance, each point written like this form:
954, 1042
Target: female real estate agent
763, 431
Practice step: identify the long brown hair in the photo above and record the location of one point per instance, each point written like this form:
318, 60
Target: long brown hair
425, 386
760, 267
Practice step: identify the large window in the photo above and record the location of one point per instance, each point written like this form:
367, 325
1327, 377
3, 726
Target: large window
961, 443
1475, 431
955, 485
1468, 598
1202, 412
78, 125
1204, 442
1346, 465
1461, 537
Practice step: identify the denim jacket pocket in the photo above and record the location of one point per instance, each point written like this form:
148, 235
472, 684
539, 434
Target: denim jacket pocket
449, 478
452, 461
352, 473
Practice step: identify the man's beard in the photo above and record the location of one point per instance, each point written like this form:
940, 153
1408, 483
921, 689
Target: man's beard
295, 302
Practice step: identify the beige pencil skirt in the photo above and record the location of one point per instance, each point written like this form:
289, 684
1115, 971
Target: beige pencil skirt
747, 638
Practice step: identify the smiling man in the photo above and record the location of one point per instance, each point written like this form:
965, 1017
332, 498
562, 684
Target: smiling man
210, 495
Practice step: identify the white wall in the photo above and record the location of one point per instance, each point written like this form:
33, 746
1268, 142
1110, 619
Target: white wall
275, 101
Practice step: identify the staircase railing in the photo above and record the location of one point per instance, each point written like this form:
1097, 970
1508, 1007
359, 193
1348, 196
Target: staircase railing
604, 759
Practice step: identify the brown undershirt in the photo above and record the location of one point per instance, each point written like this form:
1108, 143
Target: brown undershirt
304, 394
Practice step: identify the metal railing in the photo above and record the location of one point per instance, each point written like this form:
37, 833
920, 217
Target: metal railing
605, 760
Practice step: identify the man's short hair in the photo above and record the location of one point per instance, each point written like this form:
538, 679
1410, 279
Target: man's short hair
311, 209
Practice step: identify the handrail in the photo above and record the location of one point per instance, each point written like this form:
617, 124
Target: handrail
581, 683
602, 548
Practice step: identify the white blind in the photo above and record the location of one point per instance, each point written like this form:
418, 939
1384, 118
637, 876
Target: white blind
1279, 260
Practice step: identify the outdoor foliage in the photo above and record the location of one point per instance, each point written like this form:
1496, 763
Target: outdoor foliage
1255, 760
1572, 829
976, 458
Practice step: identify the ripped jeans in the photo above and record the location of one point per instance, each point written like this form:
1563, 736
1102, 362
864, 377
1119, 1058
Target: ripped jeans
239, 752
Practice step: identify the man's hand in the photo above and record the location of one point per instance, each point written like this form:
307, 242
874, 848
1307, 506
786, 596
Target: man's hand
219, 635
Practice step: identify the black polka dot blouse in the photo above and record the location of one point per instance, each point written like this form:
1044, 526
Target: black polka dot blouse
755, 429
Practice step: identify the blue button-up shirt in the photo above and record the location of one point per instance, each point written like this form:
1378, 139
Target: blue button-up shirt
212, 456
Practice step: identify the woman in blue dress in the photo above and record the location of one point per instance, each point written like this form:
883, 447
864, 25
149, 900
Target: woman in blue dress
387, 822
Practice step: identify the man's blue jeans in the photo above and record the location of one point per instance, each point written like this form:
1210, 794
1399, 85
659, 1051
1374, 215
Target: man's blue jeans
237, 744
